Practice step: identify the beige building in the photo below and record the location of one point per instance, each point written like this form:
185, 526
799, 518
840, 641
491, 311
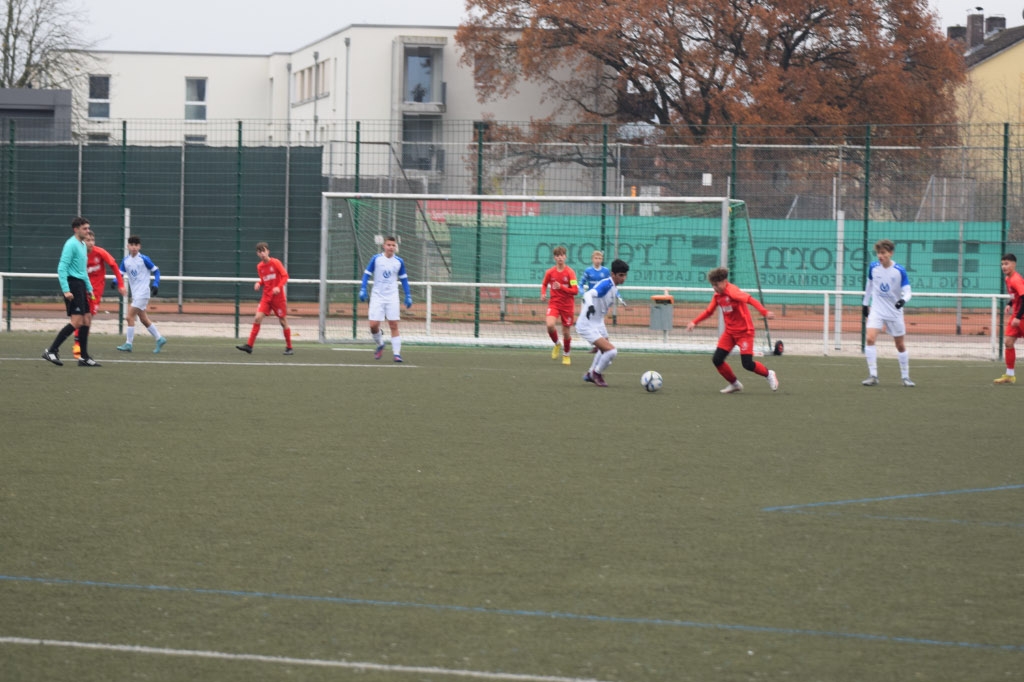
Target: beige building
994, 56
404, 84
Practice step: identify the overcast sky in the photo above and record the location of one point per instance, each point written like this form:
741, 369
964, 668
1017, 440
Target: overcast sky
265, 26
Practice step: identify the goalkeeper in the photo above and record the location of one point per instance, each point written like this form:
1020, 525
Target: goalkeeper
387, 270
590, 324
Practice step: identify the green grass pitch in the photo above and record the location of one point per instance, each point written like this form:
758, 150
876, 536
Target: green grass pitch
483, 514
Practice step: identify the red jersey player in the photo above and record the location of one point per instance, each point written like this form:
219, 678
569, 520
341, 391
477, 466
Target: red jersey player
98, 257
561, 303
272, 279
739, 329
1014, 328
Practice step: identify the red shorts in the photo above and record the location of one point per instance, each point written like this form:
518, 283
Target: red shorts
1015, 332
745, 341
275, 304
94, 302
566, 314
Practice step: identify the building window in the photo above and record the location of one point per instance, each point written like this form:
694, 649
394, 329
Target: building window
421, 148
195, 99
99, 96
422, 74
98, 138
195, 139
311, 82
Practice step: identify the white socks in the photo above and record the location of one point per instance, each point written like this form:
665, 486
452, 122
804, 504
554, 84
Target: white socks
871, 353
904, 359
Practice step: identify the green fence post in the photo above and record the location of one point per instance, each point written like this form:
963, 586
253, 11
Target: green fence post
121, 300
604, 183
1002, 218
355, 241
238, 229
11, 157
731, 245
867, 214
733, 152
480, 127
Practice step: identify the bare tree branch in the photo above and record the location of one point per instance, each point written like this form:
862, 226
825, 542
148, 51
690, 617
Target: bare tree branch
42, 44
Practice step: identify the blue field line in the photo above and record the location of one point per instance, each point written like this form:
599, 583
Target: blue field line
865, 500
919, 519
553, 615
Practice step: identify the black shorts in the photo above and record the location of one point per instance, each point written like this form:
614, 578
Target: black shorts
78, 304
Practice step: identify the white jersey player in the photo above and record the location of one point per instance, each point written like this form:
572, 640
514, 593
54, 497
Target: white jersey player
387, 271
887, 291
137, 267
590, 324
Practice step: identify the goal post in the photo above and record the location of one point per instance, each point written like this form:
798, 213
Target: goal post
476, 261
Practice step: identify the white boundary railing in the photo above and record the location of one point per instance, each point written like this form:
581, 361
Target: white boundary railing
429, 327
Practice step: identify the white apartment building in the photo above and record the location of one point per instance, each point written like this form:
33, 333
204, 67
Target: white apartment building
402, 83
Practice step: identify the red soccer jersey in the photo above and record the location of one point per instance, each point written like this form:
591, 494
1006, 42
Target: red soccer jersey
733, 303
98, 273
272, 274
565, 295
1015, 288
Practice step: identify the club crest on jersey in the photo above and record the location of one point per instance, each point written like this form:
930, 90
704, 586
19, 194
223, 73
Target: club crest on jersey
884, 287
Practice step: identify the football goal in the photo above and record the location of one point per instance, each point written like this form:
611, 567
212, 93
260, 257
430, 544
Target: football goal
476, 261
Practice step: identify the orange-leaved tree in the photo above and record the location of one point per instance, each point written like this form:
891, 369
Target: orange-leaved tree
702, 63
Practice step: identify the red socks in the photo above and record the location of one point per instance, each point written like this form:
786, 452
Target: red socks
726, 371
253, 334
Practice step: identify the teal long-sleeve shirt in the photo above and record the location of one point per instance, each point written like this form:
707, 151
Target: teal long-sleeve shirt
73, 261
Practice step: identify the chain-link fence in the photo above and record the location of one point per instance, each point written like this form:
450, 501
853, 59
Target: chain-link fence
201, 196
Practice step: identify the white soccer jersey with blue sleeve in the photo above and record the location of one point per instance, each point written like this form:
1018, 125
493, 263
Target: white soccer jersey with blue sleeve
601, 297
136, 270
885, 287
387, 274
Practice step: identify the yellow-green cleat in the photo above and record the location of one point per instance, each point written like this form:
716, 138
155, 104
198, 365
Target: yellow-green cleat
1005, 379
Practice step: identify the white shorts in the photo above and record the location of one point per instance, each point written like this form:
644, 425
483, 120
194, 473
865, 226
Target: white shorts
590, 331
894, 327
140, 303
384, 308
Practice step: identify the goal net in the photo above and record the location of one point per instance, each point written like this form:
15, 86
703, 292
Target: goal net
475, 262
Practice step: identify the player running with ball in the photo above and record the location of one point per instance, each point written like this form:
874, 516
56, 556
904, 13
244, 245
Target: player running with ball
590, 325
739, 330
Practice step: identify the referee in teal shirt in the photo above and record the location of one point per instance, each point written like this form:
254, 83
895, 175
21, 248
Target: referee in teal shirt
74, 283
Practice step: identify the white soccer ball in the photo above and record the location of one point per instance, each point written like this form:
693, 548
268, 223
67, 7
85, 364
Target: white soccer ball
651, 381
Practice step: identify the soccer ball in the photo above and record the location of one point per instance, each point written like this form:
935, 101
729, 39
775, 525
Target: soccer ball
651, 381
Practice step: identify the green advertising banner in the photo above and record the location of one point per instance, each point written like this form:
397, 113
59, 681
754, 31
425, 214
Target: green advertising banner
803, 255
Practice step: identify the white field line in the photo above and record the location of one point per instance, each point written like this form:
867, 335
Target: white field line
285, 660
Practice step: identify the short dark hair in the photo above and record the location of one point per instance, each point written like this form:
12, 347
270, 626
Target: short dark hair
135, 239
620, 266
1009, 256
263, 246
78, 222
